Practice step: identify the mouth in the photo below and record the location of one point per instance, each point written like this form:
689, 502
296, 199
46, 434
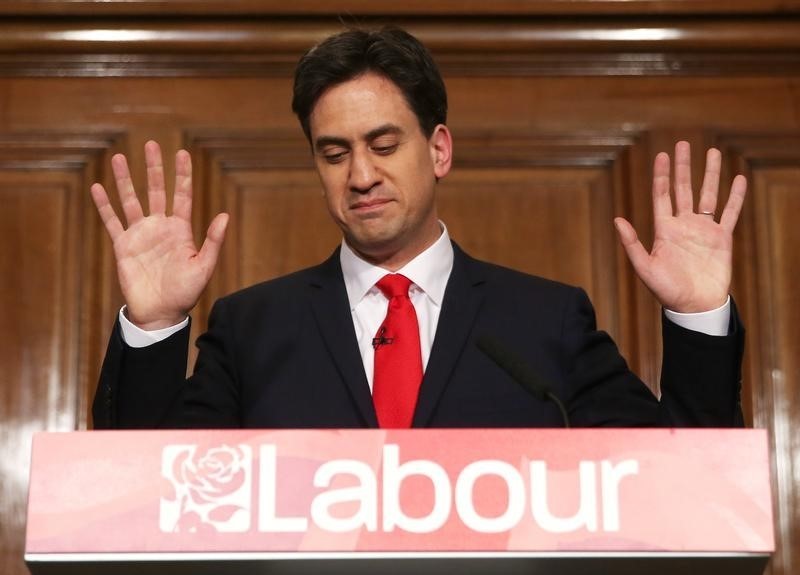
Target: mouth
365, 206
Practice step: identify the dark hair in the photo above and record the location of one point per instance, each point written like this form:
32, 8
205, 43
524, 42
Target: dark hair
389, 52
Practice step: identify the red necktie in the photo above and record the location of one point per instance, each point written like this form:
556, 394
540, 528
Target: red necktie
398, 361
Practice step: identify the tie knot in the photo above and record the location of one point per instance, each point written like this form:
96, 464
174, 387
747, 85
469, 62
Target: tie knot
393, 285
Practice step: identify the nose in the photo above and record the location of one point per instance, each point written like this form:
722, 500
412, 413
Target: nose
364, 174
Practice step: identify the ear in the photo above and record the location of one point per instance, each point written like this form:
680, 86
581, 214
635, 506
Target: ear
441, 148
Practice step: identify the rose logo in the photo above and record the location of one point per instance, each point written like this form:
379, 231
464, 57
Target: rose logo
211, 488
212, 475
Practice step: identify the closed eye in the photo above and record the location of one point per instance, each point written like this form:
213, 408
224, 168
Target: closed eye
384, 150
385, 141
335, 157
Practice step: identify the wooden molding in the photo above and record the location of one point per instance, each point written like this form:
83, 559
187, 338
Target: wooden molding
160, 8
486, 47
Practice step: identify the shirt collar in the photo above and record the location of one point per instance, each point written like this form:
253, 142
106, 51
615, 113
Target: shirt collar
429, 270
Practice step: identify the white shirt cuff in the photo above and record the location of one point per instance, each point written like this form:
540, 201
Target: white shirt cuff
714, 322
137, 337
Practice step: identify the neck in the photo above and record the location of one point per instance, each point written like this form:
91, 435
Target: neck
393, 259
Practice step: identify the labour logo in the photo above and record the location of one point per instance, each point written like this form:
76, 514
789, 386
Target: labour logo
211, 489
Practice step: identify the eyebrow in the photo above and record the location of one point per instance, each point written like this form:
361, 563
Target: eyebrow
383, 130
323, 141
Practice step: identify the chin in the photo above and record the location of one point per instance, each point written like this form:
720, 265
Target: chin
375, 247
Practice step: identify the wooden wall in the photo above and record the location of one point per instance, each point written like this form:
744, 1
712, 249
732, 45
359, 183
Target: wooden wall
557, 108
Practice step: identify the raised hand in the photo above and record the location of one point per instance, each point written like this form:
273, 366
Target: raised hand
161, 272
689, 267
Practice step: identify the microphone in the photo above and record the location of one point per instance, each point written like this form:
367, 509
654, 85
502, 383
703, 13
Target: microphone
514, 366
381, 339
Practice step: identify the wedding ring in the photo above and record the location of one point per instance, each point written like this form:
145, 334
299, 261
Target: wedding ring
707, 214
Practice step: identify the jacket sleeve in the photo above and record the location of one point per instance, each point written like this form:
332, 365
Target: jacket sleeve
701, 376
147, 388
139, 387
700, 379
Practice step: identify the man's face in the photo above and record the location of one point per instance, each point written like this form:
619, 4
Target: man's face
378, 170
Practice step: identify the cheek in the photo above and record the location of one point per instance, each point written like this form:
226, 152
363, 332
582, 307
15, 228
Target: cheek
331, 202
334, 201
424, 181
426, 165
330, 188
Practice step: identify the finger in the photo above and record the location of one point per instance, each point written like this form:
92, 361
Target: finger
127, 195
156, 192
710, 189
638, 255
106, 211
209, 252
182, 201
662, 203
684, 203
730, 215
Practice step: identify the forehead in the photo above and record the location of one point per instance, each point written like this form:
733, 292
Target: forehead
353, 109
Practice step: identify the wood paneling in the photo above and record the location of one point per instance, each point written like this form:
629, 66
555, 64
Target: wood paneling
49, 258
555, 120
767, 271
510, 193
777, 207
268, 184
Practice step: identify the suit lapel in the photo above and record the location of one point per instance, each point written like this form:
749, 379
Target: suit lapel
462, 300
332, 313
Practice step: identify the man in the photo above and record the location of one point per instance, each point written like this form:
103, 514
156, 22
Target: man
337, 346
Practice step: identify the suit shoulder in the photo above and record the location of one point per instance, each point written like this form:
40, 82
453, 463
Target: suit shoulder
507, 279
281, 289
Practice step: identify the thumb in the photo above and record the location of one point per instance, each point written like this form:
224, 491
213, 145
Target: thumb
209, 251
633, 247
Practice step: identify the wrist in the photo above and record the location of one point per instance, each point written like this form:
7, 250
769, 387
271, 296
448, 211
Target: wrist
697, 308
712, 322
155, 323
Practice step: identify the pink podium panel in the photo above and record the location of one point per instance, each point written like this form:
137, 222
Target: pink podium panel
417, 501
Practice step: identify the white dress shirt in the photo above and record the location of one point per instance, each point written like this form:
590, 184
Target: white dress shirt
428, 272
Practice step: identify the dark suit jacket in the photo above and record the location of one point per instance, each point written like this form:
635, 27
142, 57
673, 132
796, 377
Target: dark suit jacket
284, 354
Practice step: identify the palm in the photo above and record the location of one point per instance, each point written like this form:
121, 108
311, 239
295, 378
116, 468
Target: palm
158, 267
689, 266
161, 271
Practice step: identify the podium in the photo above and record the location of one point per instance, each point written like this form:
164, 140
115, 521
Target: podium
500, 501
